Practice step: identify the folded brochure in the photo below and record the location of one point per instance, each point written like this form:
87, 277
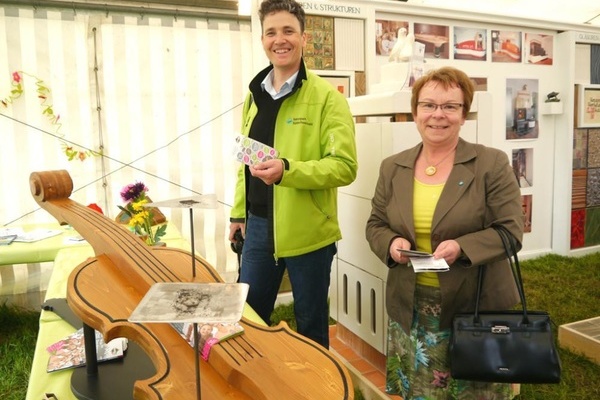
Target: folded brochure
425, 262
70, 351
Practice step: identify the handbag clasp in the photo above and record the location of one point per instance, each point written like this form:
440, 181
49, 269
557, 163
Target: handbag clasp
500, 329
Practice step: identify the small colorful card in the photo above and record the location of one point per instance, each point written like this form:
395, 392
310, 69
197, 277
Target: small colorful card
69, 352
250, 151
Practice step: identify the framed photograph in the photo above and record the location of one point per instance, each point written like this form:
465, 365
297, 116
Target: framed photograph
539, 49
470, 44
343, 81
386, 35
522, 109
506, 46
522, 163
588, 106
436, 39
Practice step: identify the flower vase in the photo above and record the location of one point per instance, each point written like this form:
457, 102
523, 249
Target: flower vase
143, 237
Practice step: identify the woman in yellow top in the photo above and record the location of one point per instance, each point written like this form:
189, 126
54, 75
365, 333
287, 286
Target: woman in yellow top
443, 196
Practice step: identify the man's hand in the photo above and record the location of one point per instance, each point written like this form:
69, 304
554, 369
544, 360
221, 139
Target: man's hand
269, 172
235, 226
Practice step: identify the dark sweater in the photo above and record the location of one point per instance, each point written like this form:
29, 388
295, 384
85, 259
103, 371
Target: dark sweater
263, 128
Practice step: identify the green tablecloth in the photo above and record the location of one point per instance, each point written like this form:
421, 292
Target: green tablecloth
53, 328
42, 250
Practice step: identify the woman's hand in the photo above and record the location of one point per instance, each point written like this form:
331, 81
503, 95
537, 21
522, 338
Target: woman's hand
449, 250
397, 245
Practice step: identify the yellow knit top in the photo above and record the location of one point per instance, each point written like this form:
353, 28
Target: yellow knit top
424, 202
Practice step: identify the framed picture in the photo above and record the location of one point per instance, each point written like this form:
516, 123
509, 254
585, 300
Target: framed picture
386, 35
506, 46
522, 109
436, 39
319, 50
343, 81
588, 106
470, 44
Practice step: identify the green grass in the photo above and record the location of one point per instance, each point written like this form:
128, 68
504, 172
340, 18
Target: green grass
18, 334
567, 287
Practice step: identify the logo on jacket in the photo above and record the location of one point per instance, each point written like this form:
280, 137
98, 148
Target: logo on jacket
298, 121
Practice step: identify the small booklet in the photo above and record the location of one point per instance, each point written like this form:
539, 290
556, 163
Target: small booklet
209, 334
70, 351
415, 253
250, 151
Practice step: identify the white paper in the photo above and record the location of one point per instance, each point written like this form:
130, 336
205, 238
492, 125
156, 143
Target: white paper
11, 231
192, 302
37, 234
429, 264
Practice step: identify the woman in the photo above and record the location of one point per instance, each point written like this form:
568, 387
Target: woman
443, 197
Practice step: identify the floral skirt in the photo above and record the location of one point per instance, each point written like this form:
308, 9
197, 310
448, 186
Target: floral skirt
418, 365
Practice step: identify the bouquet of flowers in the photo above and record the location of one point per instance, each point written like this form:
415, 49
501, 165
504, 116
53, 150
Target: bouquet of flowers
141, 219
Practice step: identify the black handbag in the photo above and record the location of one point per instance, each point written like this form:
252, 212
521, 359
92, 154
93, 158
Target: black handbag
504, 346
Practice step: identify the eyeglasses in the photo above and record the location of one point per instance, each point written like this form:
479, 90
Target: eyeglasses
447, 108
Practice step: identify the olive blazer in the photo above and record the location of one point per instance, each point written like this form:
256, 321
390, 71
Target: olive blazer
481, 191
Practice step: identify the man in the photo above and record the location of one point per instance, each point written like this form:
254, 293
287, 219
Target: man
286, 208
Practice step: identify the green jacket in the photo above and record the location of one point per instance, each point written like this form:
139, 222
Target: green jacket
314, 134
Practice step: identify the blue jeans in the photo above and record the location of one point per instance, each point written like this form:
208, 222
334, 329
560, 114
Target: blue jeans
309, 275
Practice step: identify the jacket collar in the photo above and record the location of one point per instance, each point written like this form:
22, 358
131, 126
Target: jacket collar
255, 84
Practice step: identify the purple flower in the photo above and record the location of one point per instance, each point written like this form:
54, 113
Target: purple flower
133, 191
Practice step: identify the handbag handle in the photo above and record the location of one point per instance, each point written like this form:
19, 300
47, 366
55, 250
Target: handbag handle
511, 254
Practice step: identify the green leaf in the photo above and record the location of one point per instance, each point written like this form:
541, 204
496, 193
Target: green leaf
160, 232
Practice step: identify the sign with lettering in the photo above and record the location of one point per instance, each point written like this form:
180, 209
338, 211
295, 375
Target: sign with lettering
588, 106
588, 37
333, 9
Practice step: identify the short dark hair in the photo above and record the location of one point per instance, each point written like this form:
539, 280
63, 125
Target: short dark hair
447, 77
293, 7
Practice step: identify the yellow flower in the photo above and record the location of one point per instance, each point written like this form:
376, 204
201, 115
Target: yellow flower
138, 206
140, 218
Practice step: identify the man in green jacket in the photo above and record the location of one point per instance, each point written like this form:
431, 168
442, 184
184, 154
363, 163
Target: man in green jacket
286, 208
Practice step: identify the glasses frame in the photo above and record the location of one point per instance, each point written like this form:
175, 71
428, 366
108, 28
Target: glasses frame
420, 105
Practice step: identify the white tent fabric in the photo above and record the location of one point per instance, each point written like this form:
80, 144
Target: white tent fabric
147, 88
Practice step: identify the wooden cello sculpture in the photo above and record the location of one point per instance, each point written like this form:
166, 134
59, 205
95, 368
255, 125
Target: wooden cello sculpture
263, 363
